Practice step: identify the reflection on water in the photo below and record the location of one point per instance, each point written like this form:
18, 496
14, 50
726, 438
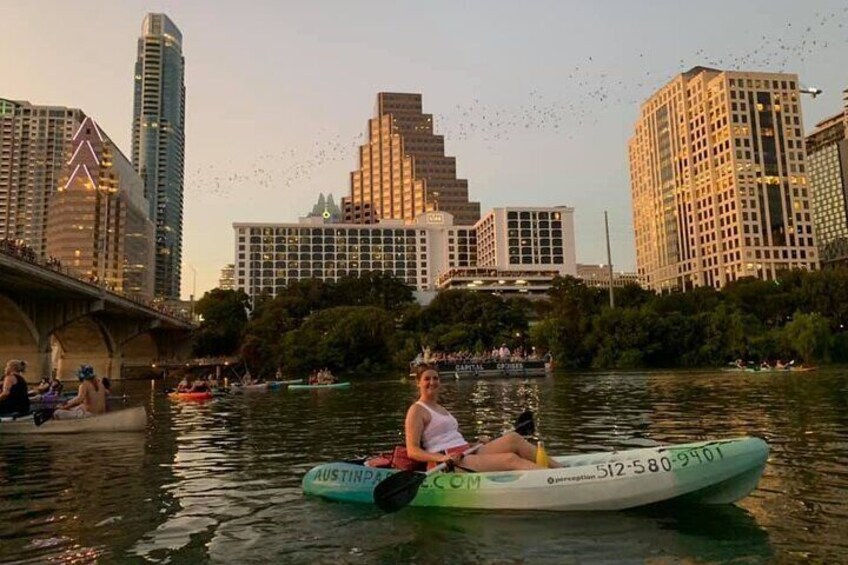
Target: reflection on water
220, 480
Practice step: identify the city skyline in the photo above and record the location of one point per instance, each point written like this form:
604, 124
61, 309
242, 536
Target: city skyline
536, 103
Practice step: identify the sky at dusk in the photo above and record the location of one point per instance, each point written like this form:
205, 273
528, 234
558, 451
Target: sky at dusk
536, 100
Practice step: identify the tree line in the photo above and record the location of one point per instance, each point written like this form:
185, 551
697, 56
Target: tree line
372, 323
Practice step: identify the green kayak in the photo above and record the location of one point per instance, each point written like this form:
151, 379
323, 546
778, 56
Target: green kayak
317, 387
708, 472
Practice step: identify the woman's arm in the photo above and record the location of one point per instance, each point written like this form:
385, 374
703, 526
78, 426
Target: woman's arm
8, 383
414, 428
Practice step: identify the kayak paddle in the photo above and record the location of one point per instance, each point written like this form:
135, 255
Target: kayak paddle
397, 490
41, 416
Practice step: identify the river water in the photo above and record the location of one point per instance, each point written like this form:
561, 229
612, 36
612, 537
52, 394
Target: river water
220, 481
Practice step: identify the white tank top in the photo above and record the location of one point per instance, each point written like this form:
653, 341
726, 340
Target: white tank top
441, 433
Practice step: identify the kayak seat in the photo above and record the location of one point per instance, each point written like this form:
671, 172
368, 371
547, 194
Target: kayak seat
398, 458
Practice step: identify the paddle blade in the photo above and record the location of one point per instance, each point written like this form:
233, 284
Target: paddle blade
396, 491
41, 416
524, 424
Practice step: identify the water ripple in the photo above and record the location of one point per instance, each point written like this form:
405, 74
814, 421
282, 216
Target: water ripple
220, 481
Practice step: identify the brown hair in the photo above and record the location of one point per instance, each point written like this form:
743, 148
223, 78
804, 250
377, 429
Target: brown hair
423, 368
16, 366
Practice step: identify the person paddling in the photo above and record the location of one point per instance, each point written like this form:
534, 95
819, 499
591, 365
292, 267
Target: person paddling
433, 437
90, 399
14, 398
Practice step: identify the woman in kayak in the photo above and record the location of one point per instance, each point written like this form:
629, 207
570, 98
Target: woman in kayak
432, 435
14, 398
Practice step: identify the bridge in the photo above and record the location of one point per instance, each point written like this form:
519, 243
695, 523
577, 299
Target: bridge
55, 321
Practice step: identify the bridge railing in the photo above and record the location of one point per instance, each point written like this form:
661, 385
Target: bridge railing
18, 250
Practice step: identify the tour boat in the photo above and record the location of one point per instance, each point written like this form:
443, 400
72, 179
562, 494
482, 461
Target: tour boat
124, 420
707, 472
490, 368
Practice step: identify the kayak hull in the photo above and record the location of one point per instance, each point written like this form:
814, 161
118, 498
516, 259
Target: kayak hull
126, 420
318, 387
190, 396
261, 387
276, 385
713, 472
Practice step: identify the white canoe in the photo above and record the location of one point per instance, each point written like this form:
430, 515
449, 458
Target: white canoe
125, 420
710, 472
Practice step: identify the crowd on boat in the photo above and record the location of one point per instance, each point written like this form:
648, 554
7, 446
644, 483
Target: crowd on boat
497, 354
779, 365
16, 399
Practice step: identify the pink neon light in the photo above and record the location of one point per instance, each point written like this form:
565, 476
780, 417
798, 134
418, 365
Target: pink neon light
89, 176
72, 177
74, 156
79, 129
93, 154
97, 129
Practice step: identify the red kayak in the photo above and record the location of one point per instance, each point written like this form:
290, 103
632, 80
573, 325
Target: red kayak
206, 395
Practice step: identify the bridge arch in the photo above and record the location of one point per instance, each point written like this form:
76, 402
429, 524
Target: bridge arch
84, 340
19, 338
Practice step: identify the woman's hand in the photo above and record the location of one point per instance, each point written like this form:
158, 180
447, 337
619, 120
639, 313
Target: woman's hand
452, 458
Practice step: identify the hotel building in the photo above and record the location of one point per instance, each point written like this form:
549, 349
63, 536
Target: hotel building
403, 170
35, 143
509, 250
98, 220
719, 181
827, 159
158, 141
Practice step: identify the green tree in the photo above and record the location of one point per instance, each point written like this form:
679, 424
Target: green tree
224, 315
809, 336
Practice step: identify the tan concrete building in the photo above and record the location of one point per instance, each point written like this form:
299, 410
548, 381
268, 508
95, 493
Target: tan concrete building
98, 219
35, 142
227, 280
827, 157
719, 181
598, 276
403, 170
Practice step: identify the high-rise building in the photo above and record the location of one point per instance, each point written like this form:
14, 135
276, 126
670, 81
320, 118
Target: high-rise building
827, 158
158, 141
35, 142
403, 170
326, 208
719, 180
98, 221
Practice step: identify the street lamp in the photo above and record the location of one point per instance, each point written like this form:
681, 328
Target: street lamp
193, 289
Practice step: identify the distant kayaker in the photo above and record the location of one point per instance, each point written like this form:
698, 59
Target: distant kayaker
432, 435
43, 386
13, 396
90, 399
184, 385
56, 385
